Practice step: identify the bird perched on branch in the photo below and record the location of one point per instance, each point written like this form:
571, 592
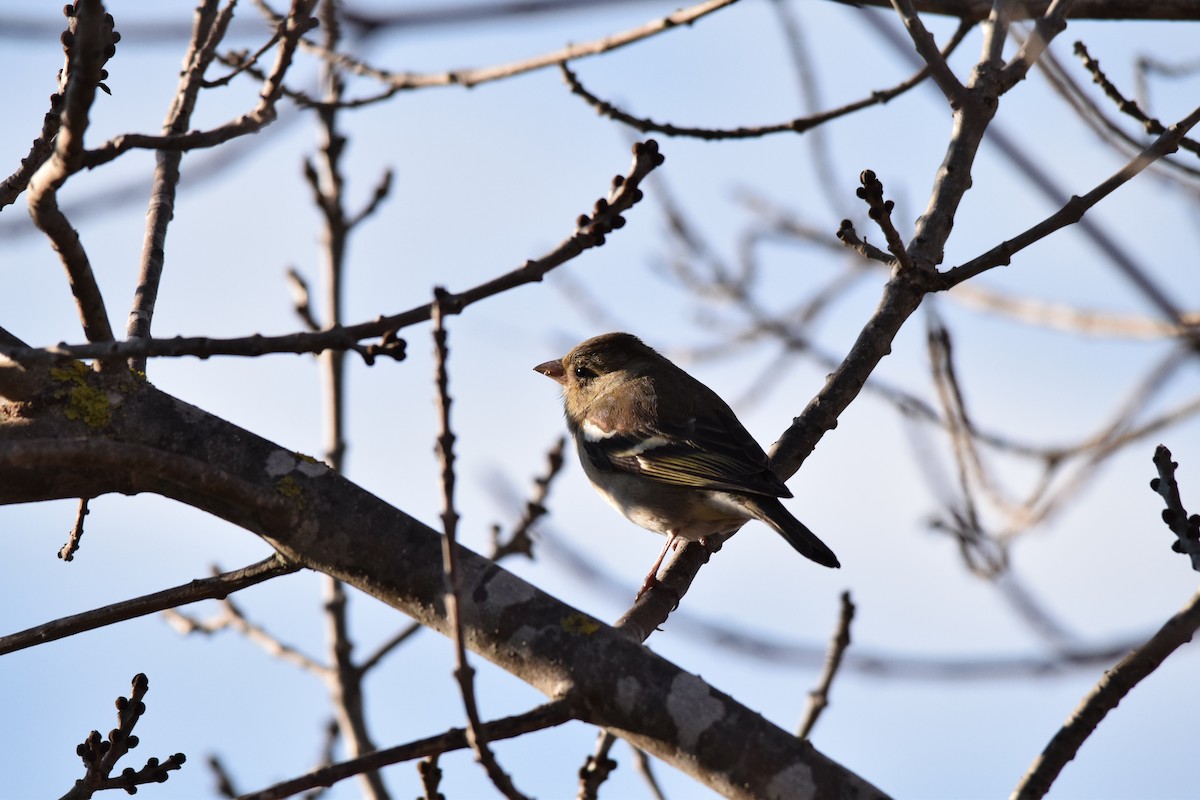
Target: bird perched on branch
666, 451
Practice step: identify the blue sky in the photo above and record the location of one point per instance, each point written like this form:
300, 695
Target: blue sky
487, 178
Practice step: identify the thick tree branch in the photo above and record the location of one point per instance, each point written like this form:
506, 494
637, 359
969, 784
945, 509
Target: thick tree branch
151, 442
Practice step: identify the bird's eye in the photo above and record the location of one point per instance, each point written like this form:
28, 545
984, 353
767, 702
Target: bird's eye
584, 374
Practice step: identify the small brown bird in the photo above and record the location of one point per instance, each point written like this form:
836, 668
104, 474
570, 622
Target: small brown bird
666, 451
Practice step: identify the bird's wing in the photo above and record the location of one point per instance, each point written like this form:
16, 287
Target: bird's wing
701, 452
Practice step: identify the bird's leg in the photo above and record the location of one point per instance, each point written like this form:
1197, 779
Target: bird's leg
652, 579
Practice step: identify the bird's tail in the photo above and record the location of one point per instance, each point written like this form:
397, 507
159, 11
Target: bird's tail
795, 532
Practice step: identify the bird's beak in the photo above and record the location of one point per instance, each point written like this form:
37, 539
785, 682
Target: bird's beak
553, 369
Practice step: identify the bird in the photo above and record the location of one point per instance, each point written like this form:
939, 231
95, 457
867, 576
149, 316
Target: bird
666, 451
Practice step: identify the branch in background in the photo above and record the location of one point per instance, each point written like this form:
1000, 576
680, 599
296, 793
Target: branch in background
590, 232
231, 617
641, 760
979, 10
888, 665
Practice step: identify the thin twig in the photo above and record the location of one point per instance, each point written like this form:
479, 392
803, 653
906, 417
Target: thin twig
519, 541
464, 673
880, 211
67, 552
298, 21
403, 81
812, 121
210, 26
100, 755
431, 777
591, 231
545, 716
1186, 528
1073, 211
1104, 697
301, 301
1124, 105
818, 698
926, 47
381, 652
232, 617
216, 587
597, 767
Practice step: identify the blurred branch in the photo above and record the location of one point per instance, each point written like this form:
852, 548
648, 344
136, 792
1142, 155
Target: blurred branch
978, 10
1152, 126
1069, 318
232, 618
885, 664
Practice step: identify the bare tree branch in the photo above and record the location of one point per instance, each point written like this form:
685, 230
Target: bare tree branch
818, 698
216, 587
590, 232
89, 42
1111, 689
